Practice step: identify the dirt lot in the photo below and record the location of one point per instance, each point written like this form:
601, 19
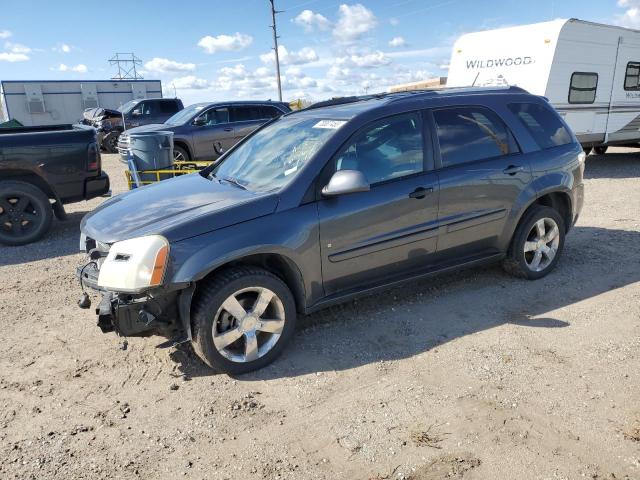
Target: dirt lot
475, 375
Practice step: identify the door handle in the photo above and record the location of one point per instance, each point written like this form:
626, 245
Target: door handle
421, 192
228, 129
513, 169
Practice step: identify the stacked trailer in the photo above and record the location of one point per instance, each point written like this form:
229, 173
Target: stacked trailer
53, 102
589, 72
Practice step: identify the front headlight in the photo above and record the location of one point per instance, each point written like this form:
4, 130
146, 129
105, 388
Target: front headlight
135, 265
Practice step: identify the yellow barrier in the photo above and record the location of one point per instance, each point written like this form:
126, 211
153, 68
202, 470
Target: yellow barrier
180, 168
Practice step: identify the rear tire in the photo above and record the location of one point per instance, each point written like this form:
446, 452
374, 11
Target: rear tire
249, 334
600, 150
25, 213
536, 245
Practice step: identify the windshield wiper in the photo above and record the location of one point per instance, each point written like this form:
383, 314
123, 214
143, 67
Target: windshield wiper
234, 182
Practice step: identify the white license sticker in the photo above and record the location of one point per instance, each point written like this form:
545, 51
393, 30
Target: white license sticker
331, 124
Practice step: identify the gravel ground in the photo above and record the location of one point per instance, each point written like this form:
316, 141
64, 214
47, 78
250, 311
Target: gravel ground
475, 375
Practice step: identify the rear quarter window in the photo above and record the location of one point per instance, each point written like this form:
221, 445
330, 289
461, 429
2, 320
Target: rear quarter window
542, 123
169, 107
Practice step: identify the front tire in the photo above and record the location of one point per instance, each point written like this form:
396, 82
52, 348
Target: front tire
110, 142
25, 213
537, 244
242, 320
180, 154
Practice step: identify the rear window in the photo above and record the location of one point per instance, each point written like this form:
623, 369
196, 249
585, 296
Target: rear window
246, 113
169, 107
469, 134
543, 124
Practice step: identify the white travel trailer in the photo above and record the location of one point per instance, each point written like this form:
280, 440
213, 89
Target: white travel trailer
589, 72
50, 102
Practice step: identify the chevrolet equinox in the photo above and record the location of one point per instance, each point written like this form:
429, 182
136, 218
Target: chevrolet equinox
343, 198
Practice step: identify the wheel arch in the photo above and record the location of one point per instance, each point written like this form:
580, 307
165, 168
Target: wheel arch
184, 145
32, 178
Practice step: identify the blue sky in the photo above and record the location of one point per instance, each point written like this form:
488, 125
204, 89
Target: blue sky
215, 49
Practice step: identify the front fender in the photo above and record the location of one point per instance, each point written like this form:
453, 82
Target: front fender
292, 234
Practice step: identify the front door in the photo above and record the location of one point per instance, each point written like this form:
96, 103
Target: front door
390, 230
213, 133
481, 175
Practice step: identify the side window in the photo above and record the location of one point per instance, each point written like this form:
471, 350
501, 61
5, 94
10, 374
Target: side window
543, 124
168, 107
269, 112
215, 116
245, 113
145, 108
387, 149
582, 88
632, 76
468, 134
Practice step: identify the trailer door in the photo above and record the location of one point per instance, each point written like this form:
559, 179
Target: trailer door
624, 112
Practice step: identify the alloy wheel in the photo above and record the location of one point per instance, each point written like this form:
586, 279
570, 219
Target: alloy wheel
541, 245
178, 156
248, 324
18, 216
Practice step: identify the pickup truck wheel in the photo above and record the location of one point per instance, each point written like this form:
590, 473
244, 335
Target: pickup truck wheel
537, 244
25, 213
242, 320
180, 154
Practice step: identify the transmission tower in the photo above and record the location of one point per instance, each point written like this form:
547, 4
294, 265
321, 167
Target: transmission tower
126, 64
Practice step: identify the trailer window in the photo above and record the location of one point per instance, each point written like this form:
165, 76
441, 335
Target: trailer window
543, 124
632, 76
583, 87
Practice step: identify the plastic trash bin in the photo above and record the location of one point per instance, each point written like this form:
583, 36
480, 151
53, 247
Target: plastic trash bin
152, 151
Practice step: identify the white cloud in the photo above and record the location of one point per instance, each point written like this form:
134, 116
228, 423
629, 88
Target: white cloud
164, 65
80, 68
62, 48
367, 60
13, 57
631, 16
353, 22
5, 34
302, 56
190, 82
310, 21
16, 48
225, 42
397, 42
394, 21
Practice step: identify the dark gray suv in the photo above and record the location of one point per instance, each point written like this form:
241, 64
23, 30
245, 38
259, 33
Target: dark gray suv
204, 131
330, 202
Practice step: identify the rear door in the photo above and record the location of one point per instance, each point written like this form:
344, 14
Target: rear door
246, 118
481, 175
212, 133
390, 230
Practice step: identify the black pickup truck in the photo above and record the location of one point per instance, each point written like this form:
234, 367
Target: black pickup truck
41, 169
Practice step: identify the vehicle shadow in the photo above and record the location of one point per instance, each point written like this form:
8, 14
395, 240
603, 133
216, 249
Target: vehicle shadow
410, 320
613, 165
60, 241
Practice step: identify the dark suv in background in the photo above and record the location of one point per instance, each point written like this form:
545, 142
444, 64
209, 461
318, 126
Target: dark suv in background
204, 131
134, 113
331, 202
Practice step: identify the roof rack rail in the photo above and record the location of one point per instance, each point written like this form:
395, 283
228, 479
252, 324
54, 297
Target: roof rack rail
340, 101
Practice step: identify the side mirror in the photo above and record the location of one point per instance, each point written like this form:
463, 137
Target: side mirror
346, 181
199, 122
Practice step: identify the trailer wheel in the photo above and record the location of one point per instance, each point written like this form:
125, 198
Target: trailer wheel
600, 150
25, 213
586, 150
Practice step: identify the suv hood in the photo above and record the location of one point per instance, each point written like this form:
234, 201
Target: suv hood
178, 208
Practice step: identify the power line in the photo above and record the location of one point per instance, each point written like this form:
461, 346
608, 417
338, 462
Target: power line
126, 64
275, 46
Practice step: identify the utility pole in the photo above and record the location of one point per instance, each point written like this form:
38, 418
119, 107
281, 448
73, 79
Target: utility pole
275, 46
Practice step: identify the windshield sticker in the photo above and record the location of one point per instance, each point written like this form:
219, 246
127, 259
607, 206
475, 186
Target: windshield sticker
330, 124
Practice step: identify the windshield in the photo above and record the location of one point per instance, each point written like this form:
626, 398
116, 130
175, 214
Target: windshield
128, 106
273, 156
183, 116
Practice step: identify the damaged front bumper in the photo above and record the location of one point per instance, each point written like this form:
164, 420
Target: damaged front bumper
134, 314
